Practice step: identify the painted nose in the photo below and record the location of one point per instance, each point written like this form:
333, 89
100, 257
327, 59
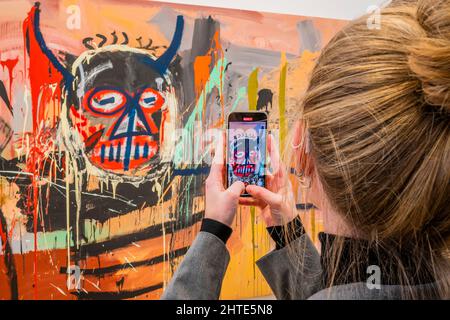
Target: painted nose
132, 124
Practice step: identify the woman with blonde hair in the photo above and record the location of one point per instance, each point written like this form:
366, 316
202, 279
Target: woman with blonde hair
372, 147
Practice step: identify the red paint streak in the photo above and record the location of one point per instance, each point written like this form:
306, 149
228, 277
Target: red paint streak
2, 237
93, 139
39, 143
80, 122
45, 85
10, 64
151, 123
35, 216
13, 224
163, 122
42, 73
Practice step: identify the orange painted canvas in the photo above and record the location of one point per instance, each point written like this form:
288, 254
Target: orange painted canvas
109, 111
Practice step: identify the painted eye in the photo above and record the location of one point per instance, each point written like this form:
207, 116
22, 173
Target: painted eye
237, 157
151, 100
240, 154
107, 101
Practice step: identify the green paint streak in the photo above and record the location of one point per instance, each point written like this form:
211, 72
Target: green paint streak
95, 232
216, 80
282, 106
190, 139
253, 90
52, 240
242, 92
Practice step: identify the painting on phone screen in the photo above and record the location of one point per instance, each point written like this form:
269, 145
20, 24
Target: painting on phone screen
247, 152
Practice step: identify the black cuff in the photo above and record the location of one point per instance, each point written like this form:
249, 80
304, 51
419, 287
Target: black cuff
283, 235
220, 230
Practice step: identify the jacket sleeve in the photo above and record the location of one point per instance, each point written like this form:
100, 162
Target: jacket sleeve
293, 272
200, 274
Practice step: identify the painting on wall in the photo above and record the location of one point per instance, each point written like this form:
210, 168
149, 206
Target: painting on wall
108, 114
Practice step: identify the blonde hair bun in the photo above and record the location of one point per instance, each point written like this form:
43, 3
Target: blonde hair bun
429, 57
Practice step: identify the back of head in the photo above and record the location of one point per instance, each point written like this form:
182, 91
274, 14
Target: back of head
378, 114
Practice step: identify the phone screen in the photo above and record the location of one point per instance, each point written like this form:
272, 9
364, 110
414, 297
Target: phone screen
246, 150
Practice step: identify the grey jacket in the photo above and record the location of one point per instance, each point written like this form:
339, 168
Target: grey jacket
200, 274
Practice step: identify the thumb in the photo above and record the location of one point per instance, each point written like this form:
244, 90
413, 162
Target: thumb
236, 188
267, 196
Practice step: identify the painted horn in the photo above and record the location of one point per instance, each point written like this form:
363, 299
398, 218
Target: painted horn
32, 29
163, 62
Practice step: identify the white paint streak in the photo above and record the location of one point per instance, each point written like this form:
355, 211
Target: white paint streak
59, 289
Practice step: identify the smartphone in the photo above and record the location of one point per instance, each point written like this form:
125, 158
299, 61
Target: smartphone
246, 148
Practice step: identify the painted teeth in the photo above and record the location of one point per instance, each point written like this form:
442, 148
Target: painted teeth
117, 153
244, 169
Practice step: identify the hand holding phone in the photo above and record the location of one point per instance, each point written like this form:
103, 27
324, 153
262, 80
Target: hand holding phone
276, 201
221, 204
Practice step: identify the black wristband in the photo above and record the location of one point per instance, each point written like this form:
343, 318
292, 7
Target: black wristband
220, 230
283, 235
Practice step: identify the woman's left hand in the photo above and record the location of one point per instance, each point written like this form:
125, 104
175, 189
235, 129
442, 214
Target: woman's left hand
221, 204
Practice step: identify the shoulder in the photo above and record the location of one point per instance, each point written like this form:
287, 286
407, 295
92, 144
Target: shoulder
361, 291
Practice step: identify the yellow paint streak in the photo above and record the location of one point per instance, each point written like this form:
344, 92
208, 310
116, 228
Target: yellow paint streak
241, 279
252, 91
282, 102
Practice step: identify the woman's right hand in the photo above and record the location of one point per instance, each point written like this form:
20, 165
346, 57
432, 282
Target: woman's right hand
277, 201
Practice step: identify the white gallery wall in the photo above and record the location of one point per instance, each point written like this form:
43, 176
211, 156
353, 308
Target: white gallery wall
337, 9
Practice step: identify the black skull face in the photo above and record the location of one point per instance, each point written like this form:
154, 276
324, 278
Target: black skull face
114, 98
117, 106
